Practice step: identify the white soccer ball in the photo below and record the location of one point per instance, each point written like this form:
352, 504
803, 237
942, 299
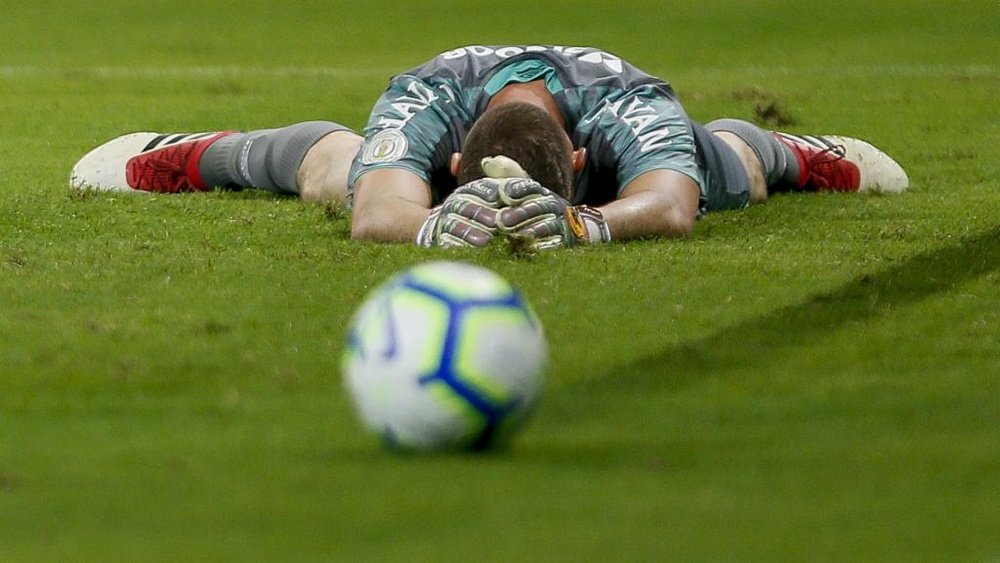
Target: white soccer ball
445, 355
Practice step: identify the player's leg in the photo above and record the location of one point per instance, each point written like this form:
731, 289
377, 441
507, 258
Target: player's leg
748, 159
268, 159
729, 182
272, 159
325, 167
803, 162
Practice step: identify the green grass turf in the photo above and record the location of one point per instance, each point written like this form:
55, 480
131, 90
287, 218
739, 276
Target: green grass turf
812, 379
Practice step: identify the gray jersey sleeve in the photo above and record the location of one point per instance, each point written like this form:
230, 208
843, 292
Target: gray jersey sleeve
630, 122
638, 131
415, 125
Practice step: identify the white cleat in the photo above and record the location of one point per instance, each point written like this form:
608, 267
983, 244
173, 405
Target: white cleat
845, 164
879, 172
103, 168
145, 162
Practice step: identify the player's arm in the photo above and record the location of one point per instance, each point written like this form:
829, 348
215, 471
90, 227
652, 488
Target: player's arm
390, 205
393, 205
659, 202
655, 203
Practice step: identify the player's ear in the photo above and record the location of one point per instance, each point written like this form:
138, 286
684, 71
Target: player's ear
579, 159
455, 163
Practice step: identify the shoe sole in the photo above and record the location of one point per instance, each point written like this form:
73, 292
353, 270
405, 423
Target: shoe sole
103, 168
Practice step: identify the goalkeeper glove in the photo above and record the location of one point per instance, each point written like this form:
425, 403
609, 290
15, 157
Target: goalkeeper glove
467, 217
501, 166
534, 211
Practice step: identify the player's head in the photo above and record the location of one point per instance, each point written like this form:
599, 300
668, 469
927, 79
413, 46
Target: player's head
529, 135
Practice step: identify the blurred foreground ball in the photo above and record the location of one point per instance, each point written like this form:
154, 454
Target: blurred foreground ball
445, 355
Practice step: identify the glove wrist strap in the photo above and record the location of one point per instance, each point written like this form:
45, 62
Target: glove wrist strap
588, 224
425, 236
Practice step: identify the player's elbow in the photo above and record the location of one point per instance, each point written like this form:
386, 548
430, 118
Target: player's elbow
368, 221
673, 222
380, 227
670, 227
660, 203
363, 228
680, 223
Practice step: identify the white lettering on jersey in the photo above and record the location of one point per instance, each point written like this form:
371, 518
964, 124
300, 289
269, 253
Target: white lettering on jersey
420, 98
654, 139
639, 116
584, 54
448, 92
608, 107
507, 52
598, 57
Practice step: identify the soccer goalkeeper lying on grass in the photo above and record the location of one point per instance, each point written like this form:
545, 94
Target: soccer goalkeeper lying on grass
600, 151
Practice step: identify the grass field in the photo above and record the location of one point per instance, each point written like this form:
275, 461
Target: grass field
811, 379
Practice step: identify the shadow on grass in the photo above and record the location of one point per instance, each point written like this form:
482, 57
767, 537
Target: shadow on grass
869, 296
753, 341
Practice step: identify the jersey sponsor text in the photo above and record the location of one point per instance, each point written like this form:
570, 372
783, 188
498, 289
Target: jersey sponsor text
419, 98
585, 54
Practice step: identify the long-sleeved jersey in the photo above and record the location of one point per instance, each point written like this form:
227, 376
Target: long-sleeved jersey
630, 122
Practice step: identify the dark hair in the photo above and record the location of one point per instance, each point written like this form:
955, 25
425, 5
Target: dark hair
527, 134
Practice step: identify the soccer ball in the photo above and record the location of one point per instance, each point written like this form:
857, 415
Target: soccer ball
445, 355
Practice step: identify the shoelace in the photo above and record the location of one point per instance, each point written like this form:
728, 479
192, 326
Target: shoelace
164, 174
827, 157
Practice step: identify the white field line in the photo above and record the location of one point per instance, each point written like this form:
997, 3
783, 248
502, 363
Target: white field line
195, 72
114, 72
915, 71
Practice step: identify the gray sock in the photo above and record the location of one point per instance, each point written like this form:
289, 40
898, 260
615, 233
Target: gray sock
268, 159
779, 162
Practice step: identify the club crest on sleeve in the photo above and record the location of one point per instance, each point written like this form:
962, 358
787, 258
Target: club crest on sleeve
388, 145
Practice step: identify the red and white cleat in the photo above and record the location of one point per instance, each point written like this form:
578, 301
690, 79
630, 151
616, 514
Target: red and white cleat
832, 162
147, 162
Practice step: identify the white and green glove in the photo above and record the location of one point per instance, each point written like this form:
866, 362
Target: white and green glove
467, 217
532, 210
509, 201
529, 209
502, 167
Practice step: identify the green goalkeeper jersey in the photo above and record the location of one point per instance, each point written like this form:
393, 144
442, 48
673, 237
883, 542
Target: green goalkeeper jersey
629, 122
